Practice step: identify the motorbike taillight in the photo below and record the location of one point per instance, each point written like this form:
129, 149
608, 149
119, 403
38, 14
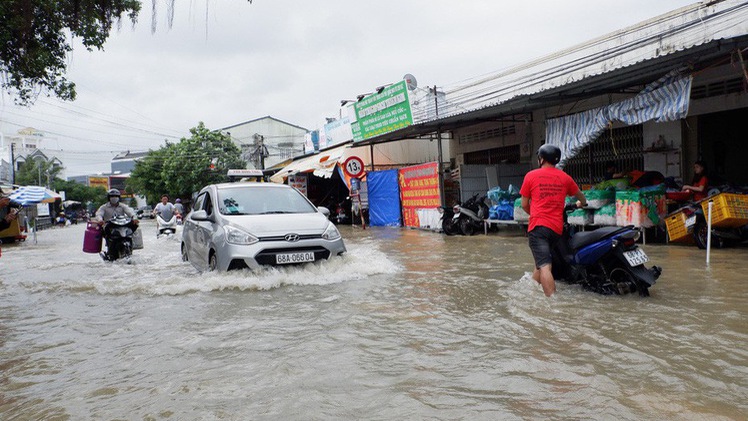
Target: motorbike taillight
628, 242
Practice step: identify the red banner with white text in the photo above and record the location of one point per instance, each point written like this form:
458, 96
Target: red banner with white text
419, 189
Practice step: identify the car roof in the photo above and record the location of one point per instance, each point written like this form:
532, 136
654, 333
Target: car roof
246, 184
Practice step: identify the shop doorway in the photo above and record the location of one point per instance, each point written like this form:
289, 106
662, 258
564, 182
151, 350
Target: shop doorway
722, 140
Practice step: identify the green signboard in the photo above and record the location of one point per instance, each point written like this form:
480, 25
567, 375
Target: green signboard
382, 113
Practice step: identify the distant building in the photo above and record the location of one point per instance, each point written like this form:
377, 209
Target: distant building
21, 148
267, 141
124, 162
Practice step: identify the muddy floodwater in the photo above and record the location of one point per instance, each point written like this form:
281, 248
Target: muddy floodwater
408, 325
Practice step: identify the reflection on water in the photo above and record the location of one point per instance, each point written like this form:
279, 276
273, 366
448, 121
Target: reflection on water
407, 325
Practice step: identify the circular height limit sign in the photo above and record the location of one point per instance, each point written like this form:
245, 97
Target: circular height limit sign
353, 166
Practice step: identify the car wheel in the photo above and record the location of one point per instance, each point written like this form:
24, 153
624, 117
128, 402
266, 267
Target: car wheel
184, 253
212, 261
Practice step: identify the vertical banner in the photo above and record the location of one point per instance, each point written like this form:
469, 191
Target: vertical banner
298, 181
419, 189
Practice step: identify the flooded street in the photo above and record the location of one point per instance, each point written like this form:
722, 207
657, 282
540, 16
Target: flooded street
407, 325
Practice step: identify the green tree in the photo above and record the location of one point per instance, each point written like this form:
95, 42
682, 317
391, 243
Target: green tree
80, 192
37, 172
34, 40
183, 168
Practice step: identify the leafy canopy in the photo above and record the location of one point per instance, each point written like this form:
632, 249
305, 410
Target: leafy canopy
34, 40
182, 169
37, 172
80, 192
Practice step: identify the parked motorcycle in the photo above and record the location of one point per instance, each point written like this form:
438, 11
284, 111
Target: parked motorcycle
448, 222
606, 260
721, 236
470, 215
118, 233
341, 217
164, 227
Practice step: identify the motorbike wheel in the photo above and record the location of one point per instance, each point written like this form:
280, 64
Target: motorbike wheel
449, 227
623, 281
185, 258
126, 251
700, 233
467, 227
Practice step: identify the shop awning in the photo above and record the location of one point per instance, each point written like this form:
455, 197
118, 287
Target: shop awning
664, 100
321, 164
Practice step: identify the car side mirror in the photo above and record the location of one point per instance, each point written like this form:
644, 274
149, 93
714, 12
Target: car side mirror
200, 215
324, 210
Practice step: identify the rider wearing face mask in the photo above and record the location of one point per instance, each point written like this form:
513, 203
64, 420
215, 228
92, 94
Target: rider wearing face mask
111, 209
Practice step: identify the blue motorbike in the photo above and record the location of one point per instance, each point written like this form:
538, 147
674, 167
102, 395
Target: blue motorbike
606, 260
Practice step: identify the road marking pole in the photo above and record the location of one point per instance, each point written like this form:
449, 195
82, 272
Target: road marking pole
709, 232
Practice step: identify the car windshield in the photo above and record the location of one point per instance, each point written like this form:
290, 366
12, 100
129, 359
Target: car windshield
262, 201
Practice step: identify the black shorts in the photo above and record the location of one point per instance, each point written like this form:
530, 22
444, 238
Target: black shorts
542, 241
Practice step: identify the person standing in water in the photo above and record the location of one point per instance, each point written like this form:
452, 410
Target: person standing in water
544, 192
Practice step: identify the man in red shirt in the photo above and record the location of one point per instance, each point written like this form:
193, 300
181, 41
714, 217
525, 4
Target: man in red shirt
544, 192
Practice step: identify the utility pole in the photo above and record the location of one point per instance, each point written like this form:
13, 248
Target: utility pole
439, 148
261, 151
12, 164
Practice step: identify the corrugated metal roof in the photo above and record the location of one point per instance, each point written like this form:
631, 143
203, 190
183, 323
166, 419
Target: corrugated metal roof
672, 32
693, 35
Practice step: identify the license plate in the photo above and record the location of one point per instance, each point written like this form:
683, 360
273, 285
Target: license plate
287, 258
636, 257
691, 221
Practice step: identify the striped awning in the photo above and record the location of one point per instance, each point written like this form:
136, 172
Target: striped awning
29, 195
667, 99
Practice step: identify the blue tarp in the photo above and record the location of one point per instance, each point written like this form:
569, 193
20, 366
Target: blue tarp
384, 198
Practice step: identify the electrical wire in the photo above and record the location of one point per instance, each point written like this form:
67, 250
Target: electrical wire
512, 82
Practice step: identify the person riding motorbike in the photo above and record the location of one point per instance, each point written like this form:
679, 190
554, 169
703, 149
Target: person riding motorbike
164, 213
109, 210
179, 207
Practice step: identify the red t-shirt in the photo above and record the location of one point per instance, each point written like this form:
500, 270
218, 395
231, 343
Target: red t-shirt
547, 189
703, 182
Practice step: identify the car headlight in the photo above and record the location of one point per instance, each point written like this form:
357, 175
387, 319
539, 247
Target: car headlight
331, 233
237, 236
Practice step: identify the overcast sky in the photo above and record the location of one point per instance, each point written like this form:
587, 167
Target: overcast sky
229, 61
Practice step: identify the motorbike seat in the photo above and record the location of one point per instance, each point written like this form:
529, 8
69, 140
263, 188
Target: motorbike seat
585, 238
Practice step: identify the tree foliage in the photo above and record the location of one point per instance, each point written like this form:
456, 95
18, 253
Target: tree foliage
183, 168
80, 192
34, 40
37, 172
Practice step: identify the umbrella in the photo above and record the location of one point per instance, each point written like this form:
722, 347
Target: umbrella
68, 203
29, 195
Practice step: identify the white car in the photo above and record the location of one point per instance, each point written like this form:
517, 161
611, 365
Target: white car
249, 225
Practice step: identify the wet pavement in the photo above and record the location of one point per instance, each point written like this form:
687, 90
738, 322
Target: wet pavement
407, 325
